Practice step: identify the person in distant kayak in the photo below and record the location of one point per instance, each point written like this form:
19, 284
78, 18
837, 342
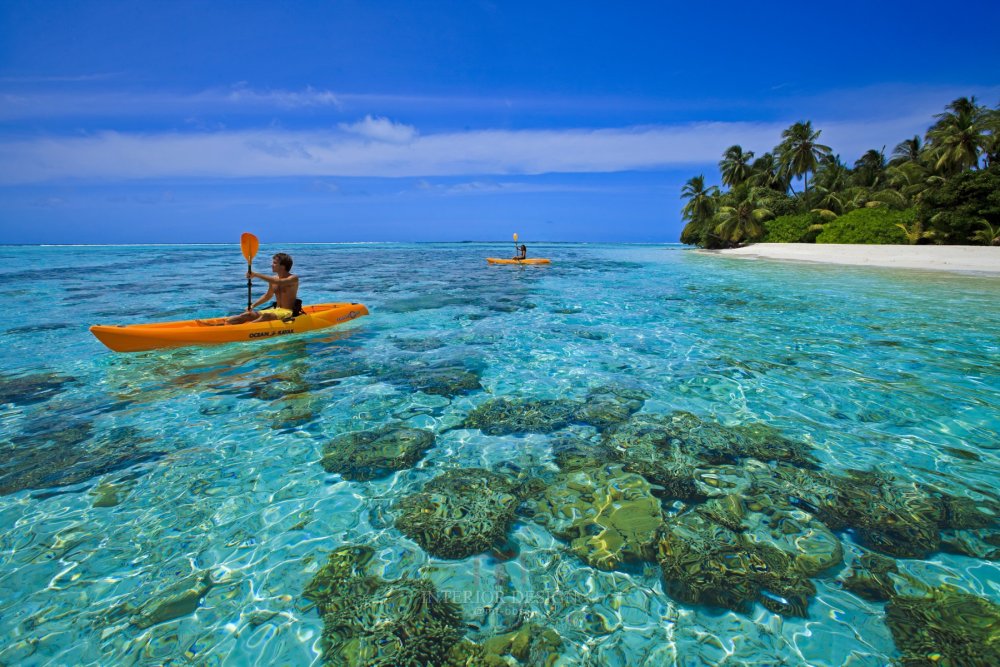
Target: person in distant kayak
283, 287
522, 252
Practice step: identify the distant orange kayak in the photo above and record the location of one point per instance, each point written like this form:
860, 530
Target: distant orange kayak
140, 337
530, 260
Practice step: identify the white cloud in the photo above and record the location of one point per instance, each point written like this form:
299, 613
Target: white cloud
380, 129
20, 104
399, 151
310, 97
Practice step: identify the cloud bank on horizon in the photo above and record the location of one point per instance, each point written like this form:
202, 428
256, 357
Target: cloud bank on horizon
379, 147
411, 119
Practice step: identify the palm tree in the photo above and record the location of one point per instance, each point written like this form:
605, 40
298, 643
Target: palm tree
909, 179
799, 153
907, 150
766, 173
989, 235
915, 232
870, 168
828, 199
831, 173
959, 136
743, 222
699, 209
735, 165
991, 123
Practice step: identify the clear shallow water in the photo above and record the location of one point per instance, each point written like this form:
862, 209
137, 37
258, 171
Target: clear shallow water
213, 453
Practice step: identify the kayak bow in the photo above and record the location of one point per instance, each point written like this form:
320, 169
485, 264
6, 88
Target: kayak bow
139, 337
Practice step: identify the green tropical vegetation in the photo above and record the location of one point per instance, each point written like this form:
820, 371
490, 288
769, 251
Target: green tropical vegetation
941, 188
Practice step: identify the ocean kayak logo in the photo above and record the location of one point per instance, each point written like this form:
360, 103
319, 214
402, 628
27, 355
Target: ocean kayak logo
349, 316
266, 334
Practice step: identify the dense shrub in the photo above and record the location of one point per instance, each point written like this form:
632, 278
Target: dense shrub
868, 225
790, 229
955, 208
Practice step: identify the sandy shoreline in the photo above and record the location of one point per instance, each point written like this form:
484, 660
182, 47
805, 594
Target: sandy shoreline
980, 259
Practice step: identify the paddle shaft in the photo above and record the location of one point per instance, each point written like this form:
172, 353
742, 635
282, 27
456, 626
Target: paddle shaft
249, 288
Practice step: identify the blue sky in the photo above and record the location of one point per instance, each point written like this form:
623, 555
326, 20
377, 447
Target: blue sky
172, 122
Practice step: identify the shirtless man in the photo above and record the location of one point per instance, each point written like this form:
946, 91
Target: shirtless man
283, 287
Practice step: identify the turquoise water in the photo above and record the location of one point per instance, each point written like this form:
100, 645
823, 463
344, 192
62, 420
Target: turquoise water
211, 455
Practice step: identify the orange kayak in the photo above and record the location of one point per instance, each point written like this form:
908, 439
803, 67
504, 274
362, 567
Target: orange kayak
530, 260
139, 337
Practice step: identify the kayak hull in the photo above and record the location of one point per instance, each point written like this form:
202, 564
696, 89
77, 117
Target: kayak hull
214, 331
530, 260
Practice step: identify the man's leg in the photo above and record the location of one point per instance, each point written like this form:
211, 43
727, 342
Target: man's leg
242, 317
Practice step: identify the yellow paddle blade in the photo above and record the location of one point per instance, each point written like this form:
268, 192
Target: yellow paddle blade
515, 236
249, 244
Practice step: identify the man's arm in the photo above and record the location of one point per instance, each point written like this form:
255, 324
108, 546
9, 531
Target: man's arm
274, 281
268, 295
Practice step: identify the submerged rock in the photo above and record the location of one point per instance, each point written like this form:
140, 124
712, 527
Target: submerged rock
503, 416
945, 627
869, 577
278, 385
46, 459
108, 494
609, 516
295, 411
414, 344
609, 405
179, 600
979, 543
29, 389
369, 621
447, 381
573, 453
460, 513
368, 455
448, 378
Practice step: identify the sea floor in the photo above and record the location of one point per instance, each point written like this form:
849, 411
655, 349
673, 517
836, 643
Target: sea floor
636, 454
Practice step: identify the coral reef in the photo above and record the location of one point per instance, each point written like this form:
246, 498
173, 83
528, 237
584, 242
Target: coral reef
609, 516
643, 446
945, 627
459, 513
530, 645
731, 553
368, 455
503, 416
373, 622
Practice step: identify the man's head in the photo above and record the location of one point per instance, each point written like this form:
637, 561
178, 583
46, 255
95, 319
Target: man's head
284, 260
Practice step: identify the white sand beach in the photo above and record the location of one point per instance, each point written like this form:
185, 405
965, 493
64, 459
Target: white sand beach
982, 259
